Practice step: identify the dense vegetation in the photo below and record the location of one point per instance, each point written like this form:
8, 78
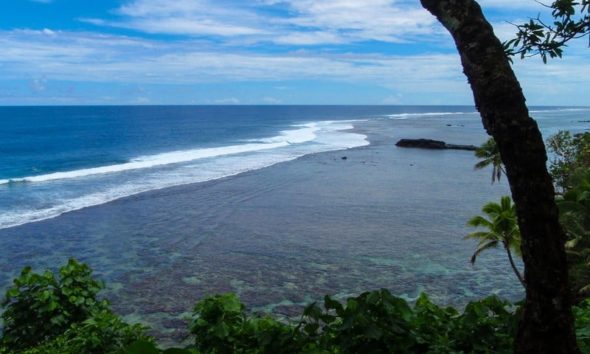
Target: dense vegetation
570, 171
63, 315
49, 314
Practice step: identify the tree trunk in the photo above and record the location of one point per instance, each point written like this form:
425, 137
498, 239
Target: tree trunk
547, 322
514, 269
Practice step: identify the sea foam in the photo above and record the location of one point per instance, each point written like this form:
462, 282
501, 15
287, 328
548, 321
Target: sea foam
57, 193
303, 134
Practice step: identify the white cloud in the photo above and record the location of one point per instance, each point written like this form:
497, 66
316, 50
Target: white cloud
230, 100
309, 22
270, 100
84, 57
90, 57
38, 85
309, 38
142, 100
188, 26
510, 5
382, 20
185, 17
504, 30
48, 32
392, 99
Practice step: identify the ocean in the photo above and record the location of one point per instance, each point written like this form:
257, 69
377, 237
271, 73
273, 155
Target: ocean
281, 204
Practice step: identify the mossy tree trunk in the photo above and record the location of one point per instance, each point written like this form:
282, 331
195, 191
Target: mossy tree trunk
547, 322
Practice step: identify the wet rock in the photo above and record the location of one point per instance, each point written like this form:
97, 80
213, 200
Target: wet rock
432, 145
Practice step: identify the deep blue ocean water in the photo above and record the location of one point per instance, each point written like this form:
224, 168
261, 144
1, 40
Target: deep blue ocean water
41, 140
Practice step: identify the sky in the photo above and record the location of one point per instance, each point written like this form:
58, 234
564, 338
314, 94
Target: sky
108, 52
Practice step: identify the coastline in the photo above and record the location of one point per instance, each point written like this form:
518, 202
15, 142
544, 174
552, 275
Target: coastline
283, 235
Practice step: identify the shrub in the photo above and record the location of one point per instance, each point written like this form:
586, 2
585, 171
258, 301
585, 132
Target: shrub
62, 315
375, 322
221, 325
39, 307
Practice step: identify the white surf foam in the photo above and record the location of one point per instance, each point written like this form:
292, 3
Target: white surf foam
303, 134
570, 109
193, 167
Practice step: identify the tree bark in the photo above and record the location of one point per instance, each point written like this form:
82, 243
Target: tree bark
546, 325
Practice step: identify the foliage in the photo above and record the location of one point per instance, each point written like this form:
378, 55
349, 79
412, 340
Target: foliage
574, 207
39, 307
373, 322
574, 213
571, 20
221, 325
49, 314
570, 169
102, 333
149, 347
501, 228
490, 156
582, 316
571, 158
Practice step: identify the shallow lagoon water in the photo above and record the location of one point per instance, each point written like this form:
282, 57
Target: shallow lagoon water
286, 235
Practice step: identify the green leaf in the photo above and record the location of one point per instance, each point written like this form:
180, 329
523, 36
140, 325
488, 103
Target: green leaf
176, 351
142, 347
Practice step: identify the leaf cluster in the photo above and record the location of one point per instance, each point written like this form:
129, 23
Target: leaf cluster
221, 324
373, 322
489, 155
45, 313
571, 20
571, 156
582, 325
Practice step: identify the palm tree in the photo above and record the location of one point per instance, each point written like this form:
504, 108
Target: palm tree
490, 155
502, 228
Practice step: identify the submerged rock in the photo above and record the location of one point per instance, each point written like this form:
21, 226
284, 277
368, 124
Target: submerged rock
433, 144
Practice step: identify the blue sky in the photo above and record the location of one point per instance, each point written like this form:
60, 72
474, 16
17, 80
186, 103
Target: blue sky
62, 52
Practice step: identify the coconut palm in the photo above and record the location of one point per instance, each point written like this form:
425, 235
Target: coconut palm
490, 155
501, 229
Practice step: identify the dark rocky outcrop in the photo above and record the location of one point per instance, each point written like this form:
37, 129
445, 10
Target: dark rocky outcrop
433, 144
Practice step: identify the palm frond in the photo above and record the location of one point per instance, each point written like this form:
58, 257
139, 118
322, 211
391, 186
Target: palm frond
483, 164
482, 247
483, 236
479, 220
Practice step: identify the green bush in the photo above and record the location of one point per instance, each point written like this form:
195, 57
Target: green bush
49, 314
73, 321
221, 325
103, 333
375, 322
582, 316
38, 307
